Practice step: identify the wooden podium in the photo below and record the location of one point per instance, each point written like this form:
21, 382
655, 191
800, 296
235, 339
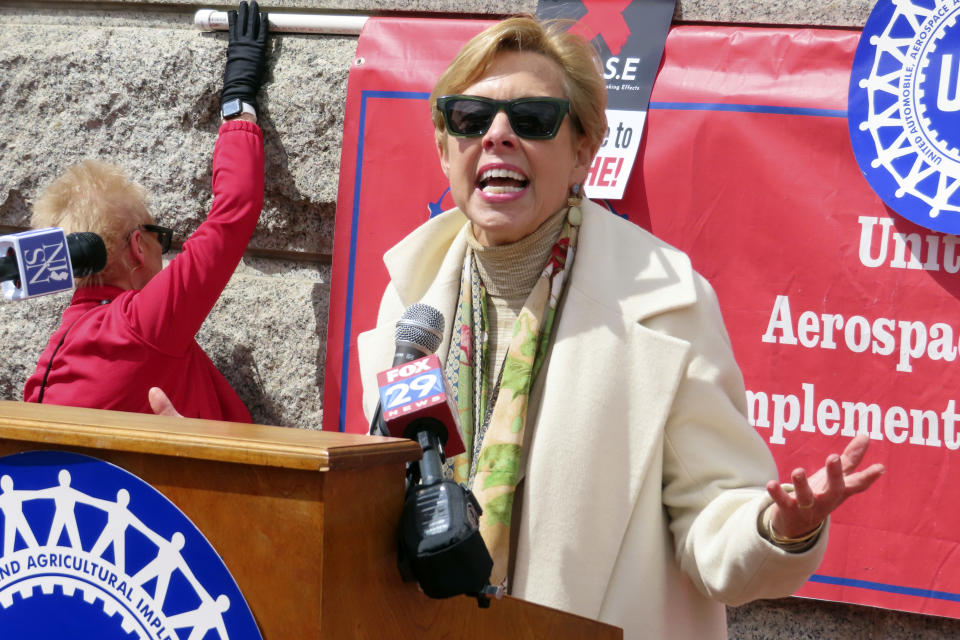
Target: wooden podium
304, 520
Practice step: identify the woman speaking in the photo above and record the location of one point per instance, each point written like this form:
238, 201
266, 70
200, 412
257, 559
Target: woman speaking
133, 326
600, 403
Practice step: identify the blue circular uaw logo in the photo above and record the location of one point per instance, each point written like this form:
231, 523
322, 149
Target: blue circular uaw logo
904, 109
88, 550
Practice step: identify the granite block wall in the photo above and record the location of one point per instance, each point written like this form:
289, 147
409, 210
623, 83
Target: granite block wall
134, 83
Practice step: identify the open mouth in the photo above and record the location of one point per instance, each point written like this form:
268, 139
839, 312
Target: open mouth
502, 181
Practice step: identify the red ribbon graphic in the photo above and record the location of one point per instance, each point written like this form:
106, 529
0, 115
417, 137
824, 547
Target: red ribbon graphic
604, 18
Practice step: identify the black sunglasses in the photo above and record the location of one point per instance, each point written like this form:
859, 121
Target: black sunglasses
533, 118
164, 235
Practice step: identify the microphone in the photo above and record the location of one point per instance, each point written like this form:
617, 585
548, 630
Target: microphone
418, 333
44, 261
440, 546
413, 392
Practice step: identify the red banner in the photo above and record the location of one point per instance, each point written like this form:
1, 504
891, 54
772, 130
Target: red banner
840, 312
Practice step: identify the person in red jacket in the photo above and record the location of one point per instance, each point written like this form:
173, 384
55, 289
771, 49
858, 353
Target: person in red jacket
133, 326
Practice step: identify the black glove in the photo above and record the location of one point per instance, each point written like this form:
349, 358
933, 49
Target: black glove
246, 53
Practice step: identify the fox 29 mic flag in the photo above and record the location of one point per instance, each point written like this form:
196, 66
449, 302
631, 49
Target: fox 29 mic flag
414, 394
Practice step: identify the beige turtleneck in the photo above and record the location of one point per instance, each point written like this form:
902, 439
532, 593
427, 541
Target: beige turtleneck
509, 272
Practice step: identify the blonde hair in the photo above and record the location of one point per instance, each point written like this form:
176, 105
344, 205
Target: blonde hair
95, 196
583, 82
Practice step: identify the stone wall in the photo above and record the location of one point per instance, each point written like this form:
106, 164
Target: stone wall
136, 84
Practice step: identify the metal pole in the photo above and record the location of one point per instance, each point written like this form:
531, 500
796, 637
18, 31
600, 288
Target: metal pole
212, 20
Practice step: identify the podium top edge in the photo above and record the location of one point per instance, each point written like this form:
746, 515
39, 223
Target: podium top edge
285, 447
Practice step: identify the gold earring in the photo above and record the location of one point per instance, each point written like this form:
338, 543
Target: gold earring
574, 215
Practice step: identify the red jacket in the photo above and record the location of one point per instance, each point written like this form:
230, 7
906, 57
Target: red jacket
119, 343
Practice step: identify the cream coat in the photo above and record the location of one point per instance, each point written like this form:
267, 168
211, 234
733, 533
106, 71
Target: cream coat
643, 481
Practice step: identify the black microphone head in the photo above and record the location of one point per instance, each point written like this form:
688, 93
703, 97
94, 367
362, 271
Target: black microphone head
88, 254
421, 326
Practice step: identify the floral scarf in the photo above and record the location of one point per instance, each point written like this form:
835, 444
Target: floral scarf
493, 429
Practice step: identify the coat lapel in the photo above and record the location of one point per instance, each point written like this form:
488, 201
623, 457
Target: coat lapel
604, 397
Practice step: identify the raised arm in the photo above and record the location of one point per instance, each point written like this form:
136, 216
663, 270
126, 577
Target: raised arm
169, 310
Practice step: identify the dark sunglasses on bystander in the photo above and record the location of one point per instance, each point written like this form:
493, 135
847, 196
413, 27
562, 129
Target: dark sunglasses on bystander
164, 235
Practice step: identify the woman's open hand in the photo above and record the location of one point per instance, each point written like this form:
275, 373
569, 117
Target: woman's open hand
794, 514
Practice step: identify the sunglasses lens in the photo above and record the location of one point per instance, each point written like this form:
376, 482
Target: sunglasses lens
535, 119
469, 117
164, 235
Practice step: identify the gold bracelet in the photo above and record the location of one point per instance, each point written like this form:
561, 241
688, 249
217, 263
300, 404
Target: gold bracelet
787, 543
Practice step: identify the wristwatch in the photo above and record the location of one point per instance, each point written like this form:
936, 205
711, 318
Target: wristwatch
234, 107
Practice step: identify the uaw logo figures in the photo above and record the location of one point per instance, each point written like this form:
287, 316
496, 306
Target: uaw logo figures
904, 109
91, 551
